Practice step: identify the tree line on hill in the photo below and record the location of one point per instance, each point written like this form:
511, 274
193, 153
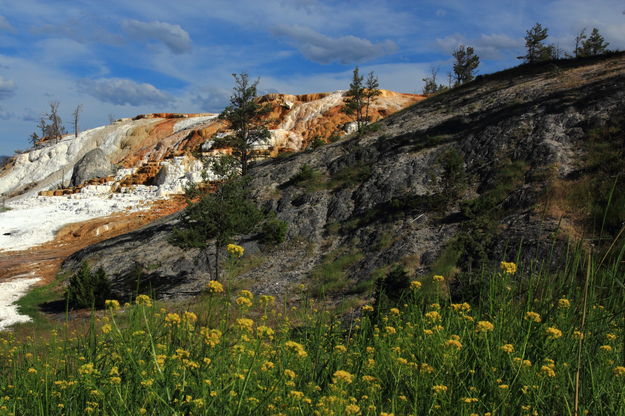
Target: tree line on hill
466, 60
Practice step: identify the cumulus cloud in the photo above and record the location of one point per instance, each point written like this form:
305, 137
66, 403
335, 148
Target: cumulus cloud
174, 37
7, 88
5, 25
212, 99
324, 49
123, 91
487, 46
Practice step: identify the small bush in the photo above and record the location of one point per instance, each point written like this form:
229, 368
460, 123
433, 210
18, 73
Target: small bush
393, 285
274, 231
88, 289
315, 143
307, 178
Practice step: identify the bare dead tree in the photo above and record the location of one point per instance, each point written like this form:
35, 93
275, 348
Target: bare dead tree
76, 116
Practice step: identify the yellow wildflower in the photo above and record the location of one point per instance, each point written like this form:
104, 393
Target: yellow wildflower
246, 294
564, 303
342, 376
415, 284
610, 337
106, 328
619, 371
509, 348
469, 399
143, 300
297, 348
390, 330
439, 388
606, 348
267, 300
461, 307
553, 333
484, 326
508, 267
212, 337
264, 332
235, 250
290, 374
296, 394
533, 317
394, 311
340, 349
578, 334
352, 409
547, 371
433, 316
367, 308
172, 319
245, 324
189, 317
243, 301
112, 304
215, 287
438, 278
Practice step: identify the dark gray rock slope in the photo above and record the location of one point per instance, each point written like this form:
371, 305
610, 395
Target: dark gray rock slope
382, 199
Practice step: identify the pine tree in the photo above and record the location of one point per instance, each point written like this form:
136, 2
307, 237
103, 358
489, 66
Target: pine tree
594, 45
359, 98
218, 216
466, 62
536, 50
245, 115
372, 90
354, 98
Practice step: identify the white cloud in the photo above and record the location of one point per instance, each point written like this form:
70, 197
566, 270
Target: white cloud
7, 88
212, 99
491, 46
5, 25
174, 37
123, 91
324, 49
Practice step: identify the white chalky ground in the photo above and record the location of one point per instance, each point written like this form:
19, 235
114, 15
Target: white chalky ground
10, 292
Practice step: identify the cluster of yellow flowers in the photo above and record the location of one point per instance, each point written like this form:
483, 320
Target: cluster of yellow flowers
508, 267
484, 326
215, 287
235, 250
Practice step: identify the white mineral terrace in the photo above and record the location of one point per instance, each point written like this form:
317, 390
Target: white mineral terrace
10, 292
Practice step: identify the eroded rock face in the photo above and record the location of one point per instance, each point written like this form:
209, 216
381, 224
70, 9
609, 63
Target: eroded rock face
374, 201
92, 165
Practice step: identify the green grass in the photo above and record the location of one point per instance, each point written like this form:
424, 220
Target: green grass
30, 304
329, 277
241, 355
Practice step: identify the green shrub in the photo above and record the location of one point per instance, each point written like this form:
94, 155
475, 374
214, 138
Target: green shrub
88, 289
350, 176
393, 285
308, 178
316, 142
274, 231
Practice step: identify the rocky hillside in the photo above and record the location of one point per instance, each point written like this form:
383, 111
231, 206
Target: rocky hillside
130, 164
509, 165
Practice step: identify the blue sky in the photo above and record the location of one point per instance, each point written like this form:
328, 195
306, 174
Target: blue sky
127, 57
